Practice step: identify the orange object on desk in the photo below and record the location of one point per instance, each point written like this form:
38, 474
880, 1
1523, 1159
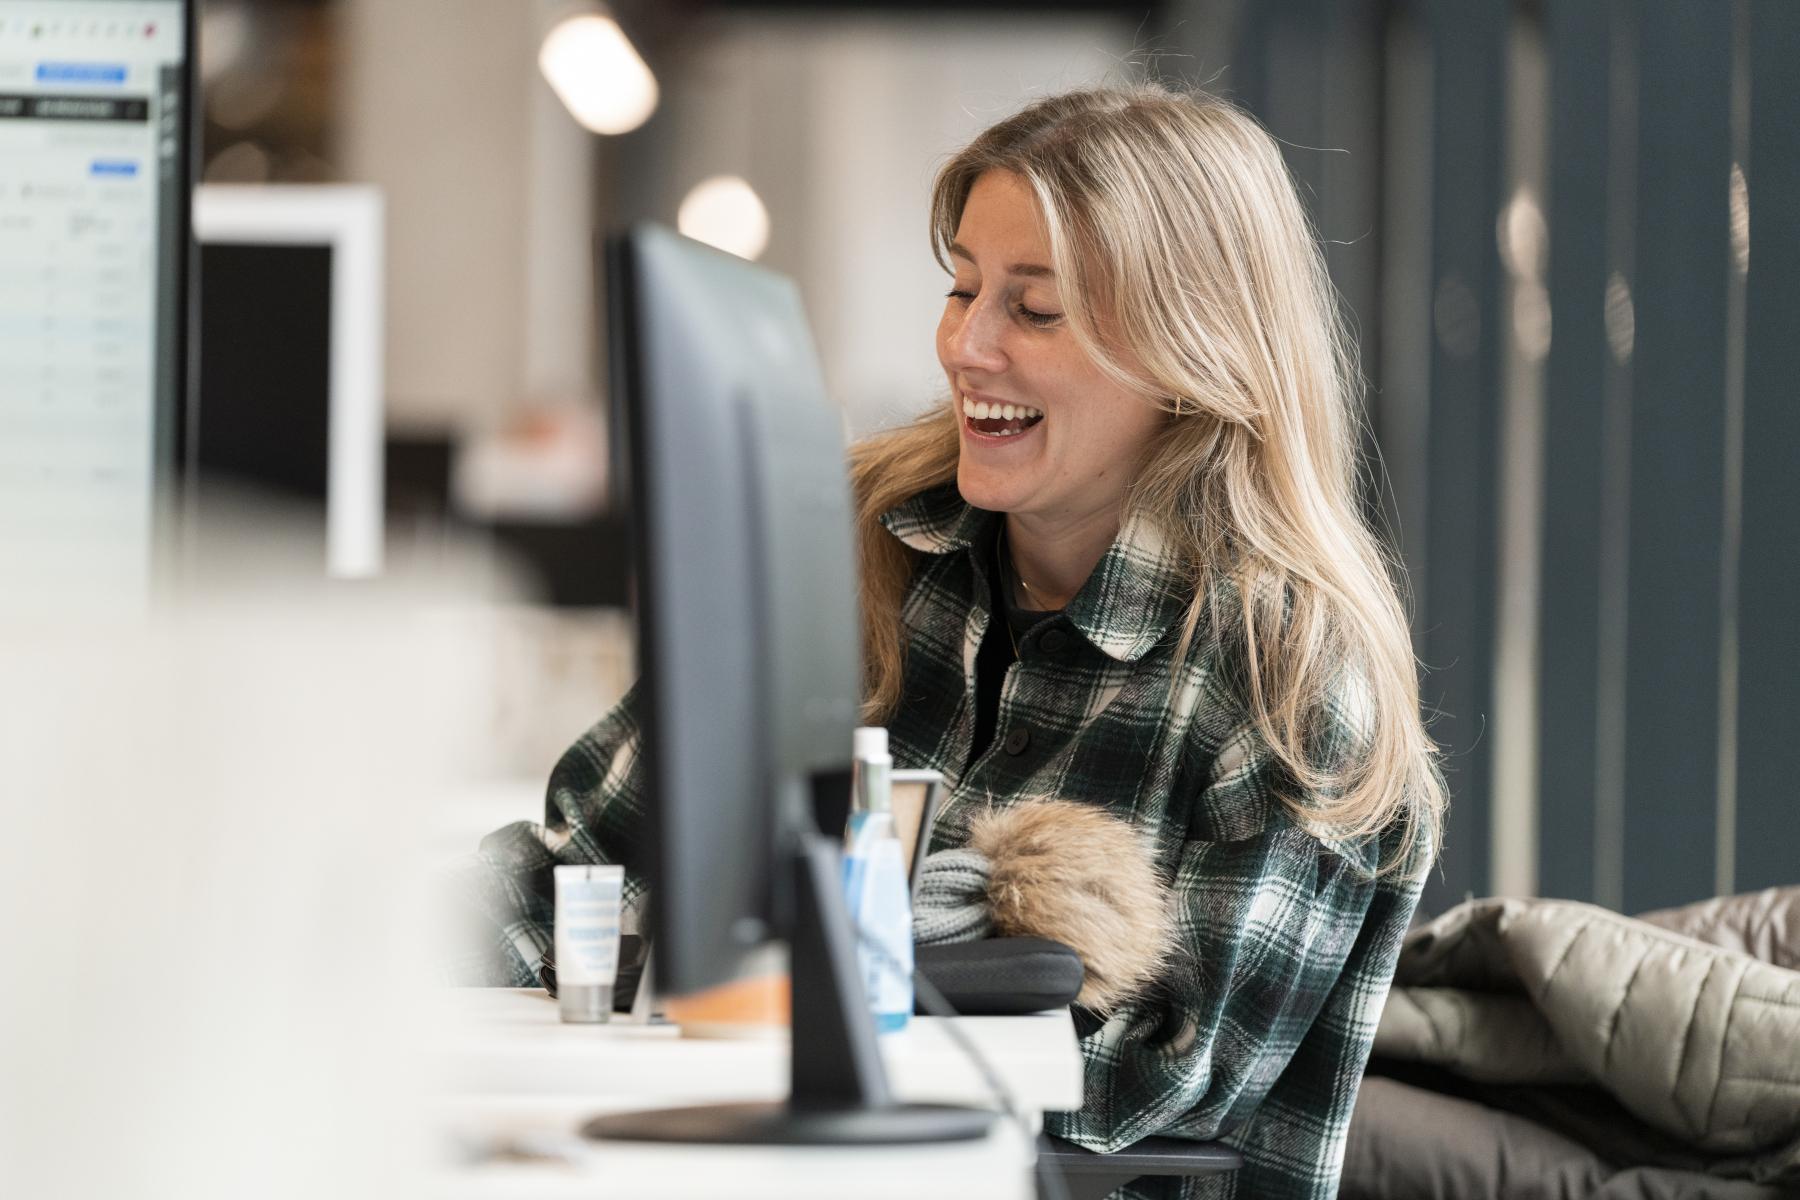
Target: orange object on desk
752, 1007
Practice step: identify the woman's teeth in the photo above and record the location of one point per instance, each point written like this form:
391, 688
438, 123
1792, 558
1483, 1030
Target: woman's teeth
1016, 417
981, 410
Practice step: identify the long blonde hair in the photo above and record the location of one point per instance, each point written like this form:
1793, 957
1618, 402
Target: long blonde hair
1175, 227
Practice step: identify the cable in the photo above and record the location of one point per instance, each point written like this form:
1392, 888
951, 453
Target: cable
1049, 1178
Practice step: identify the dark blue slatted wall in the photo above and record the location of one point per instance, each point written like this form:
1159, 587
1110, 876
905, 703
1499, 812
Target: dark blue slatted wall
1665, 710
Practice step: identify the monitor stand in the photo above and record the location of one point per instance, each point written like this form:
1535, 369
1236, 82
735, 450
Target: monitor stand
839, 1092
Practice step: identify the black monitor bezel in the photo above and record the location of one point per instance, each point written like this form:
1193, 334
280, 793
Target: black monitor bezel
173, 470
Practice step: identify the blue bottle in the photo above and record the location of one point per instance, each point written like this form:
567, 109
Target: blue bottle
876, 888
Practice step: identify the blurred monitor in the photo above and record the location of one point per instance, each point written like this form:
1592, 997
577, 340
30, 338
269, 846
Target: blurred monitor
750, 674
290, 398
96, 157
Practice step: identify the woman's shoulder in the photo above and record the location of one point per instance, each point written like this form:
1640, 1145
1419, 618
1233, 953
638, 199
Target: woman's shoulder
599, 752
1221, 665
1243, 787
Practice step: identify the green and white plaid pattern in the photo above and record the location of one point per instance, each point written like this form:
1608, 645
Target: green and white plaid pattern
1259, 1031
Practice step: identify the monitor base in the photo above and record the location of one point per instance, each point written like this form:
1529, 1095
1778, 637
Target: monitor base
838, 1092
777, 1124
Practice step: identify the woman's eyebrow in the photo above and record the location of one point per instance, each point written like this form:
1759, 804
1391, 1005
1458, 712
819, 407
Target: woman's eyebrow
1038, 269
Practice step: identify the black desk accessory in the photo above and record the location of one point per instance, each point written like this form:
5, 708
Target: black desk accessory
1001, 976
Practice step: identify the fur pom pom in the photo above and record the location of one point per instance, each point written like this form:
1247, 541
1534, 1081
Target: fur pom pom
1077, 875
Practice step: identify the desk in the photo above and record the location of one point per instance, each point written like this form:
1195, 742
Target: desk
511, 1071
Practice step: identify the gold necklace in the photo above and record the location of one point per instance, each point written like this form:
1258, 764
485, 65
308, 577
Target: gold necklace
1006, 617
1029, 591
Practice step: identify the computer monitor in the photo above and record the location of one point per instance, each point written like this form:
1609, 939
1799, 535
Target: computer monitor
96, 170
749, 673
290, 373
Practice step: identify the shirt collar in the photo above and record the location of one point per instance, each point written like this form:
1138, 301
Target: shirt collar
1134, 597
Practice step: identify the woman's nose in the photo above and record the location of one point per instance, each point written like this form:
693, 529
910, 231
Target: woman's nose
975, 340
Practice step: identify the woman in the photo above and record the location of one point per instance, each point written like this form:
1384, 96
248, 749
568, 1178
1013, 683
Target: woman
1125, 565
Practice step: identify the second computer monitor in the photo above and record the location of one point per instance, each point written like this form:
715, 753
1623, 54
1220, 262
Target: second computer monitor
96, 170
291, 380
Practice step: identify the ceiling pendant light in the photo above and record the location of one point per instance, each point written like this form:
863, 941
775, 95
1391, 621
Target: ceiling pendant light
597, 73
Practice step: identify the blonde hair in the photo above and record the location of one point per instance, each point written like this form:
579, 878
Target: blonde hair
1175, 228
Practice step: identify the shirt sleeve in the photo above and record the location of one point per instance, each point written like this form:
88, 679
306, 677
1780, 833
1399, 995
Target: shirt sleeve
1266, 917
593, 813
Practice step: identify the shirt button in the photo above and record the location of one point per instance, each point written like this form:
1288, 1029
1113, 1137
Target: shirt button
1052, 641
1017, 740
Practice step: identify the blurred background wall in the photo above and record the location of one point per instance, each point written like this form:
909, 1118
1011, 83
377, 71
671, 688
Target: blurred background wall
1580, 360
839, 121
1565, 231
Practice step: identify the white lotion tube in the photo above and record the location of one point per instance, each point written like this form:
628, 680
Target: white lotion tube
588, 903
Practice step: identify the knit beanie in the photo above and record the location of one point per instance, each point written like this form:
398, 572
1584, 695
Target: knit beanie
951, 904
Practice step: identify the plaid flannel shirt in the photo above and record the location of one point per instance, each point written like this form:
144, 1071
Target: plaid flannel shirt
1258, 1033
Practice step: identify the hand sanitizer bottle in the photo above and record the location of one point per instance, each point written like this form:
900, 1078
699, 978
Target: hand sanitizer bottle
876, 885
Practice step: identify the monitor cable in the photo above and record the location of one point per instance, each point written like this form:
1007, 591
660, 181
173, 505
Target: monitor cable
1049, 1179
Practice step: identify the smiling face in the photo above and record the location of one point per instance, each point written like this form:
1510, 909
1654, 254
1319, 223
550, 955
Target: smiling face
1044, 432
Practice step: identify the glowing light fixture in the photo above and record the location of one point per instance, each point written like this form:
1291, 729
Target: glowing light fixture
1740, 220
1524, 236
726, 212
597, 73
1621, 319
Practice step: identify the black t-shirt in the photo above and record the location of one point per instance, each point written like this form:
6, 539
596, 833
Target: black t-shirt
997, 652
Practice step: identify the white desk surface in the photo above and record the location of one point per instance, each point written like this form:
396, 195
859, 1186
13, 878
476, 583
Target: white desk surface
996, 1168
510, 1072
510, 1041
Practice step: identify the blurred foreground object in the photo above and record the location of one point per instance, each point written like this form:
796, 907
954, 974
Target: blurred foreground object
220, 804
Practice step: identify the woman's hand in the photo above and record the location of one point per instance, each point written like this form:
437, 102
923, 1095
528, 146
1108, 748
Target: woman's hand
1060, 870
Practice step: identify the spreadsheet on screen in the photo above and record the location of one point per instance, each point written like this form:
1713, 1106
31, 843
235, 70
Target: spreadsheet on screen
93, 200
